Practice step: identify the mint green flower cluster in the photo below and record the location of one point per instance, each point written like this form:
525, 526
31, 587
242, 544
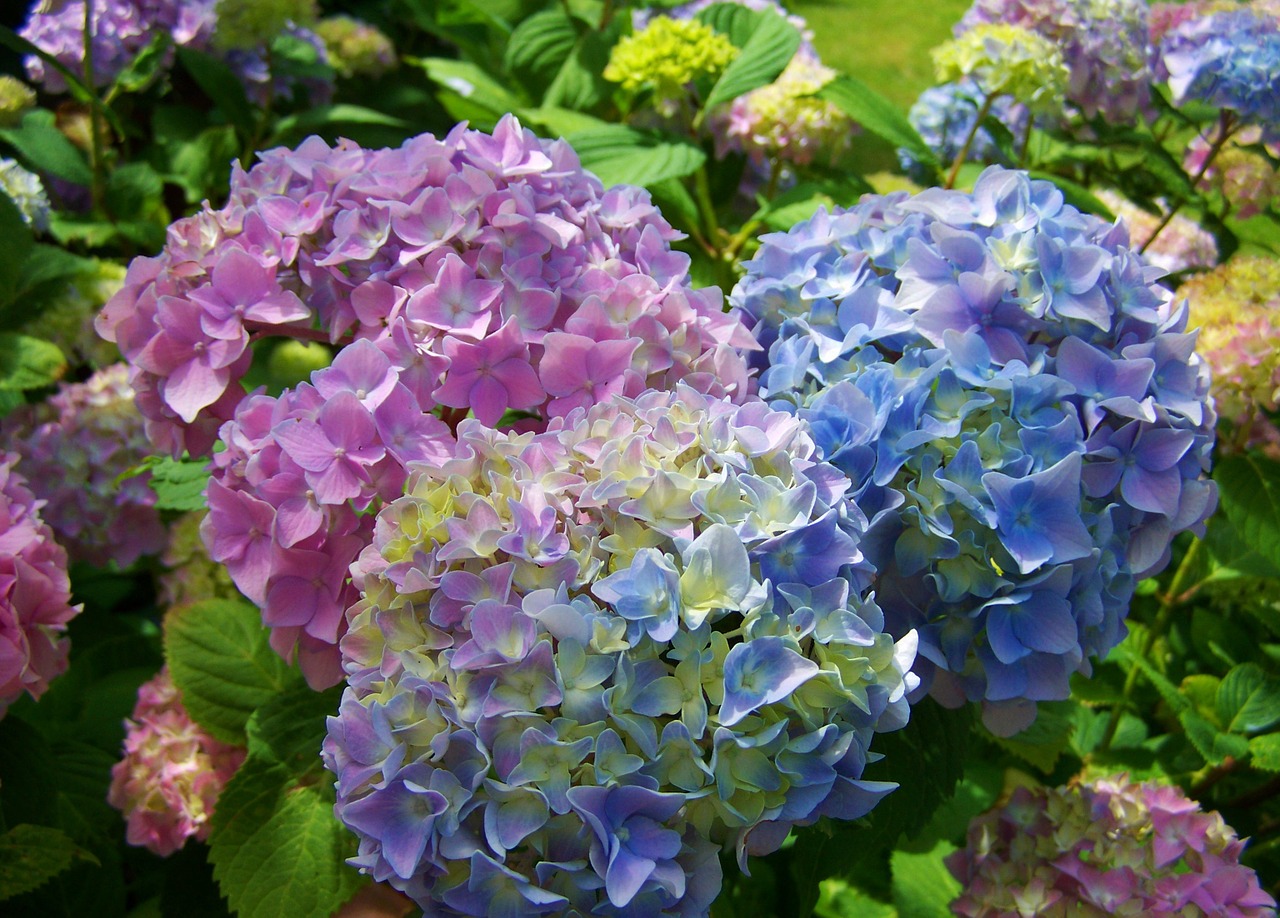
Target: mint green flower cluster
1006, 60
356, 48
16, 98
667, 56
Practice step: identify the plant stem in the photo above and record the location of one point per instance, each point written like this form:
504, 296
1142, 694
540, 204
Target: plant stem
1026, 144
983, 111
1225, 128
96, 164
1176, 594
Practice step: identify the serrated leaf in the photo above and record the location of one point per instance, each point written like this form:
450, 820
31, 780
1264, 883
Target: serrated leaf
29, 363
1168, 691
922, 885
767, 52
1265, 752
540, 45
179, 483
1249, 494
289, 729
40, 145
18, 246
616, 153
276, 849
1046, 739
31, 856
878, 115
1212, 744
1247, 701
218, 655
331, 119
733, 20
560, 122
1234, 557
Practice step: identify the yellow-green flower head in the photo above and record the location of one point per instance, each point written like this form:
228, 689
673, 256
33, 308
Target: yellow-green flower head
667, 55
1006, 60
356, 48
67, 319
249, 23
16, 98
1237, 309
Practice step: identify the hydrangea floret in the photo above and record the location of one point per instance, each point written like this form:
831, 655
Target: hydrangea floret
78, 450
1230, 60
172, 773
27, 193
1104, 847
1181, 244
1237, 312
586, 659
1105, 45
1005, 60
474, 272
35, 592
1019, 406
667, 56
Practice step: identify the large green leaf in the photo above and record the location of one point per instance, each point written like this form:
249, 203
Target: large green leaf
29, 363
40, 144
1046, 739
1249, 493
733, 20
1265, 752
179, 483
31, 856
18, 244
218, 654
766, 54
471, 85
289, 729
621, 154
878, 115
540, 45
276, 848
1247, 701
922, 885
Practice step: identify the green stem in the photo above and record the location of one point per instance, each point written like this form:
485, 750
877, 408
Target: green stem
707, 210
740, 238
983, 111
1225, 128
1177, 594
1025, 145
96, 161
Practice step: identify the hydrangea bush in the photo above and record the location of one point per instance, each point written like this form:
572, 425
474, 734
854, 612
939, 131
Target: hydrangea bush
1019, 407
584, 660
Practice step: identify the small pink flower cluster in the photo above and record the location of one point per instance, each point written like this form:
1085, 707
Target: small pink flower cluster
1104, 848
172, 773
488, 273
1245, 178
74, 447
35, 593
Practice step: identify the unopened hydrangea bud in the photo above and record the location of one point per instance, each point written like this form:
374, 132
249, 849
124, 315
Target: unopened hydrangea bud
1181, 245
250, 23
1104, 847
667, 55
172, 773
16, 98
35, 592
356, 48
26, 192
1006, 60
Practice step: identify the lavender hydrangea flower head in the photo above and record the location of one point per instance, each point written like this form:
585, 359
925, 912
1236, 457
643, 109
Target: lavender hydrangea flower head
943, 116
27, 193
75, 447
584, 660
1105, 45
120, 28
1104, 847
1182, 245
1020, 409
35, 592
172, 773
478, 272
1230, 60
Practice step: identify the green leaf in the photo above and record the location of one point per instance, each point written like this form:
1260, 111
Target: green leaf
1249, 494
1046, 739
17, 248
1077, 195
766, 54
289, 729
838, 899
331, 120
580, 82
40, 145
1265, 752
471, 84
540, 45
621, 154
146, 65
179, 483
1234, 557
276, 849
1210, 742
31, 855
733, 20
220, 83
29, 363
878, 115
218, 654
133, 191
922, 885
1247, 701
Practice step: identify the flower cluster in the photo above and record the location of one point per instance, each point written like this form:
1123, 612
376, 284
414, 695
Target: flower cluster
944, 116
1106, 847
172, 773
355, 47
1005, 60
26, 192
1230, 60
667, 56
250, 23
474, 272
1181, 245
1105, 44
1018, 406
76, 447
1245, 178
35, 593
16, 99
786, 121
1237, 309
585, 659
189, 574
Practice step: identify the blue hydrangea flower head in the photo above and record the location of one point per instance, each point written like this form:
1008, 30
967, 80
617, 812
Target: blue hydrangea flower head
1230, 60
697, 666
1023, 416
943, 116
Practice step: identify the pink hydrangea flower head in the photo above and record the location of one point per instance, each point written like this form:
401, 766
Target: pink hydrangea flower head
1104, 847
1245, 178
172, 773
75, 448
35, 592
